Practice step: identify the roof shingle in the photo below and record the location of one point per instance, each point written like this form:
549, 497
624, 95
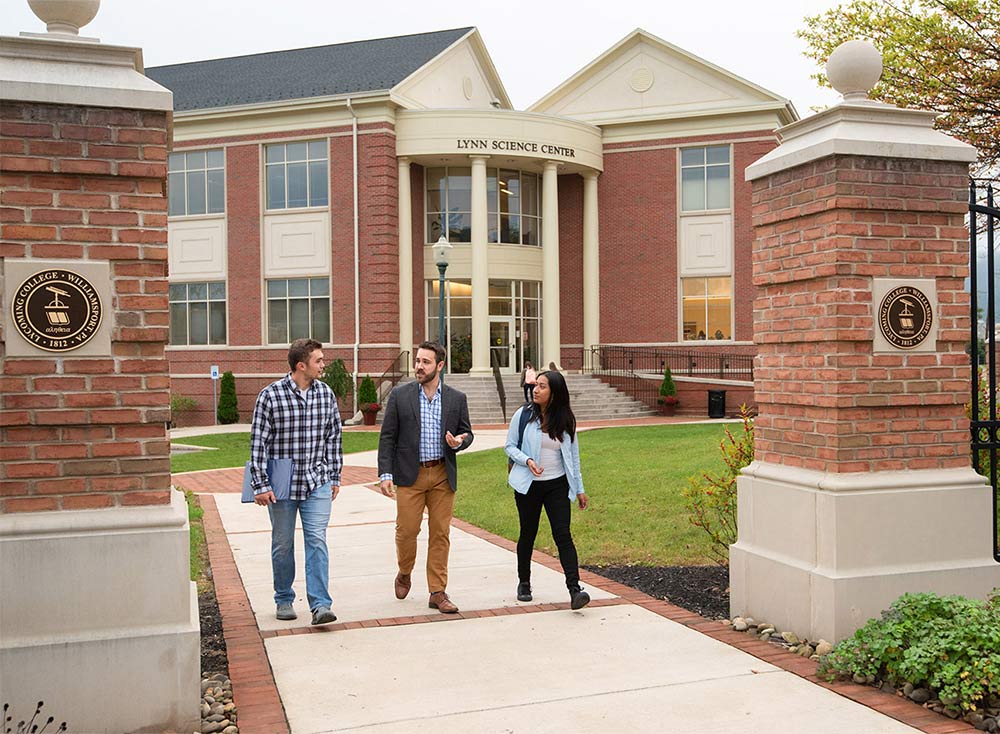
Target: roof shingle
320, 71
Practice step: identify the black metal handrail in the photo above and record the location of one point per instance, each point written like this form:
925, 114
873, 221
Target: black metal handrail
985, 430
635, 369
501, 393
396, 371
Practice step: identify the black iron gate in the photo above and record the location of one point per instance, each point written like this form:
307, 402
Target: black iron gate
984, 218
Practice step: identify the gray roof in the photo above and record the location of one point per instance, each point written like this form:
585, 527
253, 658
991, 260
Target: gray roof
343, 68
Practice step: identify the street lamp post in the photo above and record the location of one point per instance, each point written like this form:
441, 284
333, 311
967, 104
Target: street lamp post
441, 250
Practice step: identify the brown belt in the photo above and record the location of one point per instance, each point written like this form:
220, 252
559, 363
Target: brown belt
432, 462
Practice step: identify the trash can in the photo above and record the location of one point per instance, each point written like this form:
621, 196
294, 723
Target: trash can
716, 403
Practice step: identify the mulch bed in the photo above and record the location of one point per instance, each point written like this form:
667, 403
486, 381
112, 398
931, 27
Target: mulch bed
214, 658
700, 589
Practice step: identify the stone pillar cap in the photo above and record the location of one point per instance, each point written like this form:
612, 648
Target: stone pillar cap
858, 125
61, 67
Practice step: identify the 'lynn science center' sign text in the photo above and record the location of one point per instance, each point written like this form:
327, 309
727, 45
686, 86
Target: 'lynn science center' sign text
515, 146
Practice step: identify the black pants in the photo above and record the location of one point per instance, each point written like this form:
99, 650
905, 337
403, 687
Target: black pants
553, 495
528, 389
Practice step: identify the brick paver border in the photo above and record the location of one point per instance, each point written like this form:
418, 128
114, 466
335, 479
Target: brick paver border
255, 692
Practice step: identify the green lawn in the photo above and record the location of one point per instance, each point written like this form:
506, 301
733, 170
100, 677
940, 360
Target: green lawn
233, 449
633, 478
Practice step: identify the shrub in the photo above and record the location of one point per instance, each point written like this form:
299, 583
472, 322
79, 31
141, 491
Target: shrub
368, 395
227, 411
667, 388
338, 378
711, 498
179, 405
949, 644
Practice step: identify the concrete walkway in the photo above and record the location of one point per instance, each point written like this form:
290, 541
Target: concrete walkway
626, 663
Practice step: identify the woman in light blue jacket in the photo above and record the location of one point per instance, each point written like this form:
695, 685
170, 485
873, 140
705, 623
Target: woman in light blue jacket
545, 472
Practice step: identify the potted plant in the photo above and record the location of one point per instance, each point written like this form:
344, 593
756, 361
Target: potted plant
368, 400
668, 394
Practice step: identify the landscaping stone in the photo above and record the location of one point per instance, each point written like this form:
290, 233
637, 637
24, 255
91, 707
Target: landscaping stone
918, 695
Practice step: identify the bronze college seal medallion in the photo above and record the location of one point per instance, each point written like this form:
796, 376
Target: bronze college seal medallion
56, 310
905, 317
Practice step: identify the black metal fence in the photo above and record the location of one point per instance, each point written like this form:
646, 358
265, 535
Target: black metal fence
638, 370
984, 219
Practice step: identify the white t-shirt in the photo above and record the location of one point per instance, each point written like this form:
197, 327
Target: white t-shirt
550, 459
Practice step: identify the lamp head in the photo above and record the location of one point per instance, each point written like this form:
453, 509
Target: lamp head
441, 250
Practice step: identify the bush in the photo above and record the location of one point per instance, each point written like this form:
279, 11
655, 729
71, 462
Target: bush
711, 498
338, 378
179, 405
227, 411
368, 395
667, 388
950, 645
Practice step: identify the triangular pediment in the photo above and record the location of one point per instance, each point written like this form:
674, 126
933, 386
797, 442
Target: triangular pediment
645, 78
460, 77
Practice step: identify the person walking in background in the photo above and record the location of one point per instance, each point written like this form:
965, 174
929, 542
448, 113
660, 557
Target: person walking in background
297, 418
545, 472
528, 377
426, 423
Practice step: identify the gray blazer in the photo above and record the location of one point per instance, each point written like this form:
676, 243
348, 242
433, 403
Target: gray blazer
399, 442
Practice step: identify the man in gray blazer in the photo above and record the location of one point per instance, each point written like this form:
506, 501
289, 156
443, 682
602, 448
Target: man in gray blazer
426, 422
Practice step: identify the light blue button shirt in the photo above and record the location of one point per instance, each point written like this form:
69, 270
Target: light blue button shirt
520, 477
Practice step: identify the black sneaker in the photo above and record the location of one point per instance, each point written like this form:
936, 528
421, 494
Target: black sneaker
578, 598
524, 591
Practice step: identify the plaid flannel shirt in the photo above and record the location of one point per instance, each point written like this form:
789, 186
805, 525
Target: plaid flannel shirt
305, 430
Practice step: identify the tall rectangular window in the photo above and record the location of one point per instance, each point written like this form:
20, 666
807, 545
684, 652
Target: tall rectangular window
705, 178
513, 205
196, 182
198, 313
297, 174
298, 308
707, 307
449, 204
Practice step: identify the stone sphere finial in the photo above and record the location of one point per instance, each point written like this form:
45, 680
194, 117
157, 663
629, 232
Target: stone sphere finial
854, 68
65, 16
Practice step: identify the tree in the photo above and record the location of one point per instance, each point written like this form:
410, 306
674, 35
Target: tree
338, 378
940, 55
227, 411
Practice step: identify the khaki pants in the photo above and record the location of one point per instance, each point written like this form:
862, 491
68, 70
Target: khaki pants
432, 491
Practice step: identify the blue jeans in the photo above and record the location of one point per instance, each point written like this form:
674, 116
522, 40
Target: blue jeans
315, 514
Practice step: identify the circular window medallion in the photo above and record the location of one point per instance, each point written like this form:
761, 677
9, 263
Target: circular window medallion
641, 79
905, 317
56, 310
467, 87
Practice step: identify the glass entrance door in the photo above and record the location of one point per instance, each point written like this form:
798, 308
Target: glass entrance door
502, 343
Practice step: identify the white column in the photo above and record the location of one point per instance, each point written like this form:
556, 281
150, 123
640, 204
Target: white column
591, 267
405, 262
480, 269
550, 266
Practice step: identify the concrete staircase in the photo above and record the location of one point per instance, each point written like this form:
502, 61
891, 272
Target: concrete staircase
590, 398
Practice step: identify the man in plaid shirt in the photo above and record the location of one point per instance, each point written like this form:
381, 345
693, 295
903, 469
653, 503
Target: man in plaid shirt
297, 418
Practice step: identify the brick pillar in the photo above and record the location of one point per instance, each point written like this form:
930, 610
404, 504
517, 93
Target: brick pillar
861, 488
93, 539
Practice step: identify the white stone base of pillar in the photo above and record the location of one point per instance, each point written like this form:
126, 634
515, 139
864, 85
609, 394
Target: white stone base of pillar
819, 554
98, 604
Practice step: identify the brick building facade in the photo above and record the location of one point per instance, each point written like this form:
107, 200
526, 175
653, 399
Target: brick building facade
288, 185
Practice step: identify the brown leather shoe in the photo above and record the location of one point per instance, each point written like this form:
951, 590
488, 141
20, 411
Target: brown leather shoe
440, 601
402, 585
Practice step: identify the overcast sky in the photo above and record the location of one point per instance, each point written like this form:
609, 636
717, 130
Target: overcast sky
535, 44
